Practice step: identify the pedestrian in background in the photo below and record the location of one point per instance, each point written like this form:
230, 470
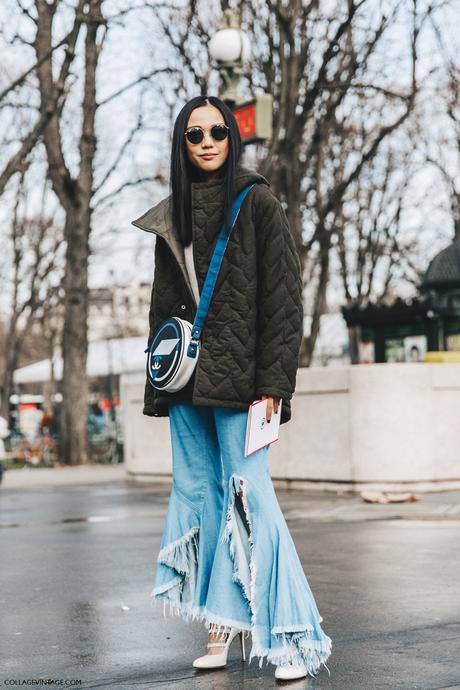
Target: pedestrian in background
4, 433
227, 557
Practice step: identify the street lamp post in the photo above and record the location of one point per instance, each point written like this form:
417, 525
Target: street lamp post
230, 48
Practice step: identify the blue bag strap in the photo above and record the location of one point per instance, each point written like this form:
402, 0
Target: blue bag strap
213, 272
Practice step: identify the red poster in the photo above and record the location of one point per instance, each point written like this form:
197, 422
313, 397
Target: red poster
246, 119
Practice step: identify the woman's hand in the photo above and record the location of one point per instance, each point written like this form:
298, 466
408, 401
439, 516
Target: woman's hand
272, 404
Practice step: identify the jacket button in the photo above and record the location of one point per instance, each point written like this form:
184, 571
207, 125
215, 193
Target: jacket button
182, 306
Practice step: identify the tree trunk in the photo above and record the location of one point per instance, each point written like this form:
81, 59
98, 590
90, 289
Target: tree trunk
74, 441
308, 344
75, 195
11, 360
353, 339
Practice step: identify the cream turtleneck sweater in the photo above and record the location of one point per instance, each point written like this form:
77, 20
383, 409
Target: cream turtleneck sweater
188, 251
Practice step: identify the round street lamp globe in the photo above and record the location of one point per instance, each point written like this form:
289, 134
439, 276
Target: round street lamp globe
230, 45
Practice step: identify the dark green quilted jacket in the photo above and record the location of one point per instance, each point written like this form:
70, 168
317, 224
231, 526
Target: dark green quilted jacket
251, 338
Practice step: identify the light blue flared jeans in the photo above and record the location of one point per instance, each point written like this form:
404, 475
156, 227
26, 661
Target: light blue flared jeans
227, 557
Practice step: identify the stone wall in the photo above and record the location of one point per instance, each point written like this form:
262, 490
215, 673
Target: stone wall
386, 426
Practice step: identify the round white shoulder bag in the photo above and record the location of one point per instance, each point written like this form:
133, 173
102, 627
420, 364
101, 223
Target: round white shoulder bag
168, 366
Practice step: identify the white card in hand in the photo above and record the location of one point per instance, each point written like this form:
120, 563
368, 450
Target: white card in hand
259, 432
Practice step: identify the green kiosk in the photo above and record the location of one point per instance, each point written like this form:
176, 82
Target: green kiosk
407, 331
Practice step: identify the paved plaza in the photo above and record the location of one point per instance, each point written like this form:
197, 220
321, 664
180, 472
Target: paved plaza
77, 558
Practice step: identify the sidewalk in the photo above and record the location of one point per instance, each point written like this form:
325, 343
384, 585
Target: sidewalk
78, 557
297, 505
34, 478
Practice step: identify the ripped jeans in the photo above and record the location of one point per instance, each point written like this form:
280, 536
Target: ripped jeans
227, 557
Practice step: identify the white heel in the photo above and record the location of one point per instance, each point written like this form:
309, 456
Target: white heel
290, 672
219, 660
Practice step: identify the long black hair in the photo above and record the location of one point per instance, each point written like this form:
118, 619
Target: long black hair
183, 172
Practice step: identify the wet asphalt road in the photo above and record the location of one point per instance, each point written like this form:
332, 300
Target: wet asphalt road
77, 568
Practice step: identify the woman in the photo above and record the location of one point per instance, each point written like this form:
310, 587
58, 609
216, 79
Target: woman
4, 433
227, 557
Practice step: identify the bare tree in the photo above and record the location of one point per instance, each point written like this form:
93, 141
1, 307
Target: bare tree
334, 111
317, 62
18, 161
75, 194
62, 69
35, 248
443, 151
333, 114
374, 253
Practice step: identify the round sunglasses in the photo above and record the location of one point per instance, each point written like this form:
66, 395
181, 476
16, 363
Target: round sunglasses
195, 135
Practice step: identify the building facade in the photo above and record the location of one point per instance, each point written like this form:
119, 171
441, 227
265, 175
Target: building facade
119, 311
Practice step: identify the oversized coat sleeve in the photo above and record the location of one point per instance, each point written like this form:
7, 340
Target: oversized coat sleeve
160, 279
279, 300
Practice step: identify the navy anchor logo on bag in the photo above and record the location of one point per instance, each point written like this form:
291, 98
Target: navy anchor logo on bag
164, 350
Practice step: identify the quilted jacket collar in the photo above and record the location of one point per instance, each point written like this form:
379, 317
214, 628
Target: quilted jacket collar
159, 221
158, 218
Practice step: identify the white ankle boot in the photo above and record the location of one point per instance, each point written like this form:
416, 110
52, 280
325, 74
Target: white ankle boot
290, 672
219, 660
